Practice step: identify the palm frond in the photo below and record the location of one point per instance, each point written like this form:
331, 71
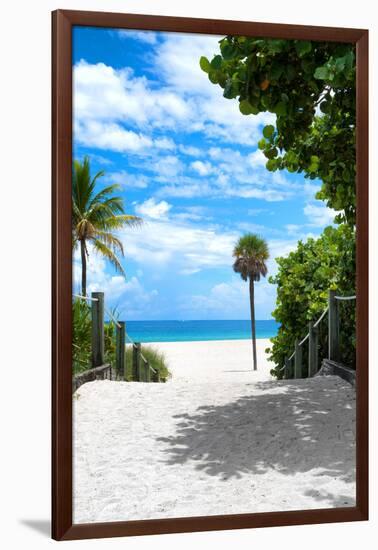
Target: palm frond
110, 241
251, 252
109, 255
98, 213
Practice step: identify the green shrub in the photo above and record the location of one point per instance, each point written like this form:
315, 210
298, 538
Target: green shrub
303, 280
155, 358
82, 337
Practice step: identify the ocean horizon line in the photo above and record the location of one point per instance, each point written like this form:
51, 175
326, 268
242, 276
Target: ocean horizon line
199, 330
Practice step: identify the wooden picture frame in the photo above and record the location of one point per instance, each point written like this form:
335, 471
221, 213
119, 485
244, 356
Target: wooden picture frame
62, 526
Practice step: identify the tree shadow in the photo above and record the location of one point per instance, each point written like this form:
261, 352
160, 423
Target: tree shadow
331, 500
284, 426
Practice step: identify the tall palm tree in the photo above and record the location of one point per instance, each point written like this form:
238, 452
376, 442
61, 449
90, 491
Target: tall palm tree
95, 215
250, 253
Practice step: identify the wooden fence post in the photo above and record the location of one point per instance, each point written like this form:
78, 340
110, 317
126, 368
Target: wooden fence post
125, 361
312, 349
333, 327
97, 309
156, 376
148, 372
298, 360
137, 362
120, 349
134, 366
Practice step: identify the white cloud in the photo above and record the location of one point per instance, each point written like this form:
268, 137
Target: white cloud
152, 209
269, 195
202, 168
110, 136
164, 143
293, 229
319, 214
167, 167
126, 179
190, 150
257, 159
185, 100
180, 246
192, 213
108, 95
129, 293
149, 37
177, 60
187, 188
223, 300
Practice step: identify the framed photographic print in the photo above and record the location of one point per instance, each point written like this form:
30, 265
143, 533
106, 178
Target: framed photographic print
210, 274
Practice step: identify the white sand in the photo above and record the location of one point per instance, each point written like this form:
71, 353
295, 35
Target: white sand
227, 360
216, 439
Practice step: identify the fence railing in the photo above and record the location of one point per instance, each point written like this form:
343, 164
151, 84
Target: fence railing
293, 367
141, 370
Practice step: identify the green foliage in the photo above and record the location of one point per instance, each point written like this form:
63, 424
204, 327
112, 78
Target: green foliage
82, 344
303, 280
155, 358
251, 253
295, 80
82, 338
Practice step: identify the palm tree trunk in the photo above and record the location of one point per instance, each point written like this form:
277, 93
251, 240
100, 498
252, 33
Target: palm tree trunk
83, 268
253, 320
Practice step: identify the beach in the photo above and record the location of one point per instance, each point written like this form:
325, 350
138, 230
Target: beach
214, 360
217, 438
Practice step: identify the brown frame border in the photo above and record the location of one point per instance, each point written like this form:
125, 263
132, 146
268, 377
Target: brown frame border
62, 527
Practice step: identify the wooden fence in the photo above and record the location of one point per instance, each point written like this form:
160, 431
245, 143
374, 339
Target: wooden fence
141, 370
293, 367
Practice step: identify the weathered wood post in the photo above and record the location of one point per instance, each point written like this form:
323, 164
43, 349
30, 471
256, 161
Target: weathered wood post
156, 376
333, 327
137, 360
125, 363
97, 310
142, 370
134, 370
120, 349
298, 360
148, 372
312, 349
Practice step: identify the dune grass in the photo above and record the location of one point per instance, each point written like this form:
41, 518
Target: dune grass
155, 358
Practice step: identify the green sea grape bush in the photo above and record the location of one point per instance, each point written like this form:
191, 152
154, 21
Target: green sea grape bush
303, 280
310, 87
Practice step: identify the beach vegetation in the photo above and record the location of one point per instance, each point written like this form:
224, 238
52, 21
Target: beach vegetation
251, 254
310, 87
97, 214
155, 358
82, 337
303, 280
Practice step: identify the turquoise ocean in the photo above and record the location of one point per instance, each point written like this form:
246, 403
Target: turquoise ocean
196, 331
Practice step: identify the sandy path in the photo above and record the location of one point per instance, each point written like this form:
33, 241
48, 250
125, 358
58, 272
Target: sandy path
225, 360
233, 445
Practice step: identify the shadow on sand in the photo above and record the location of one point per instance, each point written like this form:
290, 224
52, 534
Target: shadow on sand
285, 426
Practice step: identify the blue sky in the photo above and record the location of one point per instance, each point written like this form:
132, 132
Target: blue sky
188, 164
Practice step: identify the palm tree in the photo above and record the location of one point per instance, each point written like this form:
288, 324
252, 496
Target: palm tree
95, 215
251, 253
